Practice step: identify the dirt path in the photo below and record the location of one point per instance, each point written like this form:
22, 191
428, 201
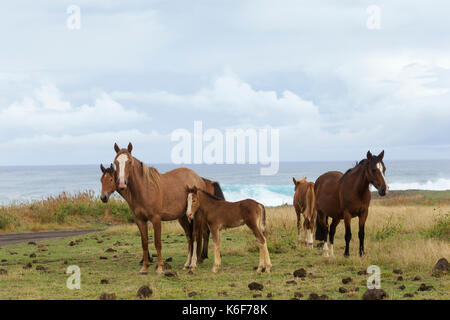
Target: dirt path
12, 238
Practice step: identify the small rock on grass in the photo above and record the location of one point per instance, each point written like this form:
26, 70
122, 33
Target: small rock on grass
300, 273
298, 294
110, 250
315, 296
192, 294
398, 271
342, 290
257, 295
417, 278
170, 274
347, 280
108, 296
104, 281
33, 255
3, 271
255, 286
28, 266
32, 243
41, 268
402, 287
374, 294
291, 282
442, 266
144, 292
408, 295
424, 287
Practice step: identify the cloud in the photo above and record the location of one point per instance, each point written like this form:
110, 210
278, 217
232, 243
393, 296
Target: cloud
47, 113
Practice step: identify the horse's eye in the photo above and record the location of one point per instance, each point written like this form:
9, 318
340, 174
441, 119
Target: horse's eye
111, 180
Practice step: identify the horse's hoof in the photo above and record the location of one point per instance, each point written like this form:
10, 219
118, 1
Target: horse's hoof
259, 270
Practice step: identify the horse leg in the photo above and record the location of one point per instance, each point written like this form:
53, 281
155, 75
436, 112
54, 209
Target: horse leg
333, 226
184, 222
206, 233
362, 223
216, 239
156, 221
262, 244
348, 232
197, 238
142, 225
324, 225
299, 226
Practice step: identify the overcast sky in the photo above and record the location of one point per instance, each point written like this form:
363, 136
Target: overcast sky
137, 70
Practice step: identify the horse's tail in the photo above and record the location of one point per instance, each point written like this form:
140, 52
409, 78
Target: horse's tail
310, 203
262, 220
218, 190
320, 230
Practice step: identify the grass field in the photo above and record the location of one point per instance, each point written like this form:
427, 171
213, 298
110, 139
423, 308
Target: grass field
407, 233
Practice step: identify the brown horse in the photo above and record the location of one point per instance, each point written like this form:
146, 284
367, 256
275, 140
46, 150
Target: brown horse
212, 187
220, 214
345, 196
154, 197
304, 203
109, 186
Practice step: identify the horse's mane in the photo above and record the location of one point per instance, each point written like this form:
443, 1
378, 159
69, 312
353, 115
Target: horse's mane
210, 195
362, 162
151, 175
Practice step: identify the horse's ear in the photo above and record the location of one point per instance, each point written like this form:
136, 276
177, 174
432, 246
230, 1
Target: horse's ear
102, 168
381, 155
130, 147
369, 155
111, 167
116, 148
295, 181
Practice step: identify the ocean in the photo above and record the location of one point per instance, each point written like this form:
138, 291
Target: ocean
24, 184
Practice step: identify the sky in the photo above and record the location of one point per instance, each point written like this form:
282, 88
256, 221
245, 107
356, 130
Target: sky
135, 71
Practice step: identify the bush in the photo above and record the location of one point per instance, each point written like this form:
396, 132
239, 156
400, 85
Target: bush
441, 227
388, 230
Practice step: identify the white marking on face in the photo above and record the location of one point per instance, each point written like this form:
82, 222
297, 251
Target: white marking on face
380, 167
189, 205
122, 159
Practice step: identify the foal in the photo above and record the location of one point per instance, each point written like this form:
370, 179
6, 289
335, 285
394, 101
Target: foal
221, 214
304, 203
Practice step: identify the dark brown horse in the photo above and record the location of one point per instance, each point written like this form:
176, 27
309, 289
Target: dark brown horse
154, 197
109, 186
346, 196
220, 214
305, 203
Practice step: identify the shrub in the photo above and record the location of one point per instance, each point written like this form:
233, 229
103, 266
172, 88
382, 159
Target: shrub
441, 227
388, 230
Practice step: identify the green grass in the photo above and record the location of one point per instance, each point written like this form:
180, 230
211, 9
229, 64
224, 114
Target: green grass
238, 259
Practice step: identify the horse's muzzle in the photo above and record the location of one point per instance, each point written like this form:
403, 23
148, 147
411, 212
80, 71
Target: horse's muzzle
104, 198
383, 191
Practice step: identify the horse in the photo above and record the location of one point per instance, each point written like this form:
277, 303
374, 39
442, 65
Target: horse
304, 203
346, 196
109, 186
154, 197
220, 214
212, 187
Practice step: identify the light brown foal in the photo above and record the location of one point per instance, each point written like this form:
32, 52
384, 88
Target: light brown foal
305, 203
221, 214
